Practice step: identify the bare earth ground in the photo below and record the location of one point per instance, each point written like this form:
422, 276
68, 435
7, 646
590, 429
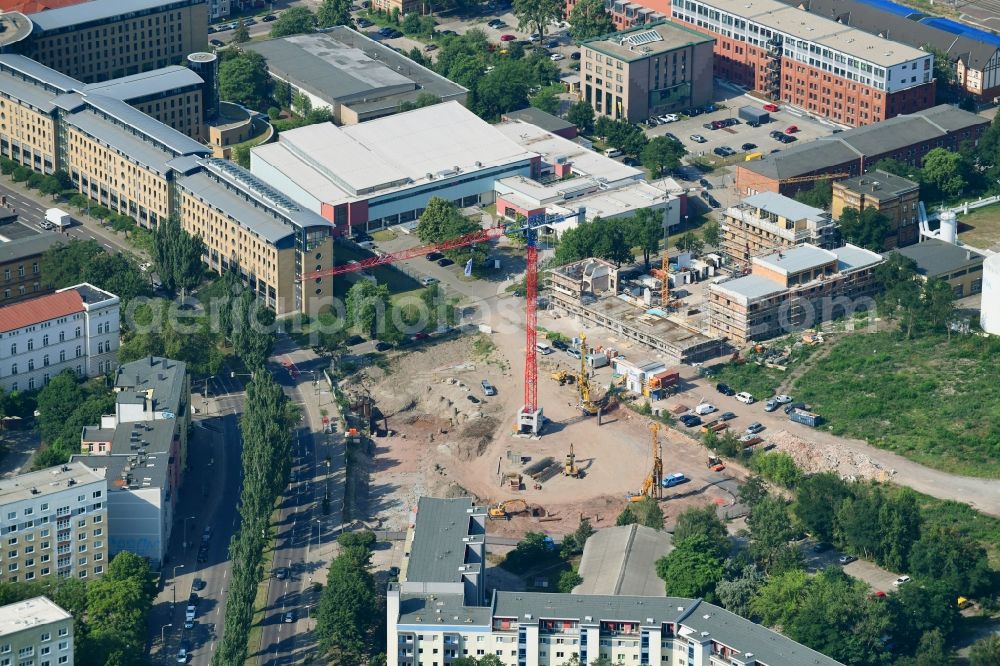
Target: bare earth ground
981, 227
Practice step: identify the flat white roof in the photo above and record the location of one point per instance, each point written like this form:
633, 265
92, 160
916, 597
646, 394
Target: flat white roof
29, 613
46, 481
392, 153
795, 259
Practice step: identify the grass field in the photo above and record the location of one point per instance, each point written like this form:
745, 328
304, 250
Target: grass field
931, 400
760, 381
981, 227
397, 281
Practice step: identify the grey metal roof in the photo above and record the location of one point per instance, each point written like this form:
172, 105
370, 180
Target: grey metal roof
438, 549
151, 128
937, 258
244, 212
28, 246
126, 143
540, 118
26, 92
38, 71
802, 159
783, 206
99, 11
97, 433
166, 377
751, 287
419, 609
796, 259
851, 257
879, 185
173, 78
622, 560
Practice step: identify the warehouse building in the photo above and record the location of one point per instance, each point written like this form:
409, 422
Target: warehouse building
435, 619
905, 138
354, 76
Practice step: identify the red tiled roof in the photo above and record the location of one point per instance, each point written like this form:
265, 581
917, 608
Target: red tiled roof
40, 309
32, 6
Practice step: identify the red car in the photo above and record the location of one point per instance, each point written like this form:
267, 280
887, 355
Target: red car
771, 107
507, 38
791, 129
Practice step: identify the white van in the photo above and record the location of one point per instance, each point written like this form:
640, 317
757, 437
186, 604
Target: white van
745, 397
612, 152
543, 348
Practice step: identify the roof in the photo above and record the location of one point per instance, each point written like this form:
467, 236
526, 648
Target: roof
869, 140
783, 206
29, 6
37, 71
341, 65
938, 258
99, 11
337, 164
146, 84
97, 434
646, 41
795, 259
165, 376
879, 185
622, 560
152, 129
30, 613
851, 258
45, 481
438, 548
750, 287
539, 118
422, 608
43, 308
14, 27
29, 246
692, 615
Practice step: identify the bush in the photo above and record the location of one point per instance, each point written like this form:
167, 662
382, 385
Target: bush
21, 174
273, 113
777, 467
35, 180
7, 166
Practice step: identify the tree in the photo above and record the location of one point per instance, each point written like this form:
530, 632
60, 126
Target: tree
711, 233
780, 598
898, 288
689, 242
938, 304
534, 550
536, 15
56, 402
753, 491
422, 99
244, 78
944, 171
348, 609
589, 19
691, 569
922, 607
953, 558
603, 127
703, 522
895, 167
242, 33
51, 186
581, 114
661, 155
293, 22
985, 651
334, 12
820, 195
442, 221
568, 580
546, 99
817, 500
737, 593
644, 231
367, 304
867, 228
612, 244
177, 255
770, 530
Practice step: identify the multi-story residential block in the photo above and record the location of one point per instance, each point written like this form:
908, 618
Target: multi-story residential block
106, 39
893, 196
38, 632
437, 612
765, 222
137, 166
74, 329
53, 523
792, 290
904, 138
141, 450
402, 6
20, 264
647, 70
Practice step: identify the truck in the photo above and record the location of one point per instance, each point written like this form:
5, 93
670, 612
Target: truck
58, 218
674, 479
805, 418
754, 116
597, 360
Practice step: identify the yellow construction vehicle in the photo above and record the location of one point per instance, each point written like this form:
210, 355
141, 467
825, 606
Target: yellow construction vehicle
569, 467
563, 377
586, 406
504, 510
652, 485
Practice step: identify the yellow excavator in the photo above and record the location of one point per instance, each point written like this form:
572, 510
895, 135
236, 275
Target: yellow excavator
569, 467
504, 510
563, 376
586, 406
652, 485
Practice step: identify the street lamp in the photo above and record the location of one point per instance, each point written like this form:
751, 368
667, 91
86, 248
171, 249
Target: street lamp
173, 585
185, 544
163, 639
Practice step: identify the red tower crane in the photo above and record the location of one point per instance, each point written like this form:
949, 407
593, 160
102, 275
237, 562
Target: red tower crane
529, 419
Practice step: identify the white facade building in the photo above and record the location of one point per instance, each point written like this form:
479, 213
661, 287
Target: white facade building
38, 631
53, 522
75, 328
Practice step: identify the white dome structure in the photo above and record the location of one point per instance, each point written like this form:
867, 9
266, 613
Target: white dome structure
989, 317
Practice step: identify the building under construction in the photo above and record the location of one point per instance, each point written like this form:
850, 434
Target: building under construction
589, 289
767, 222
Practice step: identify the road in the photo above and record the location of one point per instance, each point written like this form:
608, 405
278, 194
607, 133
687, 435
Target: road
31, 206
305, 536
208, 499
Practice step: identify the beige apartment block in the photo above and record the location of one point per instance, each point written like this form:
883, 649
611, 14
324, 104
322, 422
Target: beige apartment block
768, 221
38, 632
893, 196
27, 132
53, 523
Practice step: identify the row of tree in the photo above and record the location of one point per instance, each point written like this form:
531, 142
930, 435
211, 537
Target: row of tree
109, 612
349, 620
917, 303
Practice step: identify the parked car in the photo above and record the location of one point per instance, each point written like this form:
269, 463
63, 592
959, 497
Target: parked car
560, 345
674, 479
430, 47
795, 405
748, 146
770, 405
745, 398
713, 202
496, 24
791, 129
724, 389
552, 43
847, 559
705, 408
698, 138
198, 584
361, 21
575, 55
182, 655
428, 280
902, 580
507, 38
555, 57
754, 428
690, 420
445, 262
488, 388
771, 108
783, 399
727, 416
574, 352
216, 42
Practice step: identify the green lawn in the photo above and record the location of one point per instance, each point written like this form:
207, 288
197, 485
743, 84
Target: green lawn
931, 400
760, 381
397, 281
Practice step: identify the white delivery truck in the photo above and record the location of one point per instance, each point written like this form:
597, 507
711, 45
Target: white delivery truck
58, 217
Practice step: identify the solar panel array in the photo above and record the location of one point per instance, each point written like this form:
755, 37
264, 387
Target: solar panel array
640, 38
240, 175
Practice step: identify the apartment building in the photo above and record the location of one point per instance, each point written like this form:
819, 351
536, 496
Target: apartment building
437, 612
893, 196
647, 70
792, 290
38, 632
765, 222
107, 39
73, 329
905, 138
141, 451
21, 261
135, 165
53, 523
